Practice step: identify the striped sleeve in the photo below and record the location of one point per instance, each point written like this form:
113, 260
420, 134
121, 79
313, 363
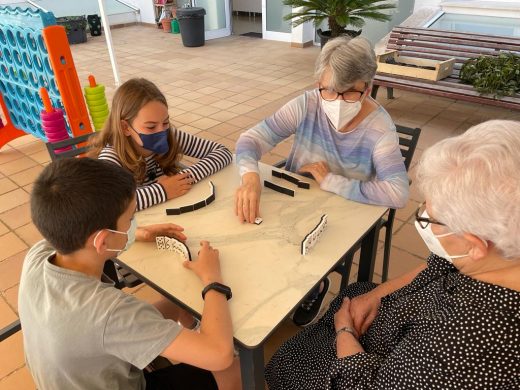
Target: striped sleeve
212, 155
109, 154
263, 137
150, 195
147, 195
390, 186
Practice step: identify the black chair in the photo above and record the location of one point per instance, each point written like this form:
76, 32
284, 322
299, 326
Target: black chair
9, 330
408, 138
120, 275
73, 143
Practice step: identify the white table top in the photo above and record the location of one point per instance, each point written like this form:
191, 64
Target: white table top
261, 263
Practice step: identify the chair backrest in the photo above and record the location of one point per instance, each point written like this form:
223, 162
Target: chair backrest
74, 144
9, 330
408, 138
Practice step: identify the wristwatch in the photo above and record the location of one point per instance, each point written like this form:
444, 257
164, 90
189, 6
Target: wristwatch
346, 329
219, 287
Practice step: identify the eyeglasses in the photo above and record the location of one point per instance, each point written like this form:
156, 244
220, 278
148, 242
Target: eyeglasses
350, 96
425, 221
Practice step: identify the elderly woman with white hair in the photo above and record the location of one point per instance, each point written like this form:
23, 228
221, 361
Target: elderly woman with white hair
342, 137
453, 323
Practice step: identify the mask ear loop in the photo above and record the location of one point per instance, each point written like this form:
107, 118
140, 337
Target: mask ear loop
110, 230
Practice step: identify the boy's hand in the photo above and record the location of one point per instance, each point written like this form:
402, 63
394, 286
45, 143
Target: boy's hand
207, 266
176, 185
318, 170
247, 198
150, 232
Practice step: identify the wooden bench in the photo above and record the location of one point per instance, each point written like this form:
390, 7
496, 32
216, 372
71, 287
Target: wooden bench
442, 45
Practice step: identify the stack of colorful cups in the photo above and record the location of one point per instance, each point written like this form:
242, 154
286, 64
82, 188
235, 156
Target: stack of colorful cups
53, 121
96, 102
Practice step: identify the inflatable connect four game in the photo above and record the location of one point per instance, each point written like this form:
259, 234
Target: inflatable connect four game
34, 53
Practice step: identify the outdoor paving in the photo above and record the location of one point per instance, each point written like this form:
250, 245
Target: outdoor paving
216, 91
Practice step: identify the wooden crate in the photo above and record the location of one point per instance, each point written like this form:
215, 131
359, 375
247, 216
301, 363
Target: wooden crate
442, 68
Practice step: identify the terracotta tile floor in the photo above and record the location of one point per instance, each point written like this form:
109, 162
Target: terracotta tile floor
216, 91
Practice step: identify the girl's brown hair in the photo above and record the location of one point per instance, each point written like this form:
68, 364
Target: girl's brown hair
128, 100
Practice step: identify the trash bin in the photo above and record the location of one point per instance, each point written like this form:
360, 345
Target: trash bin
76, 28
191, 23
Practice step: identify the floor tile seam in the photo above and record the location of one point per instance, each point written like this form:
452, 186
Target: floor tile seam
4, 297
12, 373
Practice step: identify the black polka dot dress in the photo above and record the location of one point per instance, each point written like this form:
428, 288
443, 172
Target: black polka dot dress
444, 330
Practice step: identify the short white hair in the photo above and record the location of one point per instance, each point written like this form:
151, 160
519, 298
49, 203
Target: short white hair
349, 60
472, 183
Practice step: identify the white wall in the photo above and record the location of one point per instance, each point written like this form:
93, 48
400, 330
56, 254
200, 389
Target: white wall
147, 10
426, 3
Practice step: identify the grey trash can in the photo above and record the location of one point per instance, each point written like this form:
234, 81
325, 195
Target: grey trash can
191, 24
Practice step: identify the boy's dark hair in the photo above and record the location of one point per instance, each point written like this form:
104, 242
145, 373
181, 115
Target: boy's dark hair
74, 197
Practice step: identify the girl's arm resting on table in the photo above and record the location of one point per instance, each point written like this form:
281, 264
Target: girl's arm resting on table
150, 195
388, 188
213, 156
263, 137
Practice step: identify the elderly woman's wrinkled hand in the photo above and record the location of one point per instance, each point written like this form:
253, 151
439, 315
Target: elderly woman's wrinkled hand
363, 310
319, 170
247, 198
342, 318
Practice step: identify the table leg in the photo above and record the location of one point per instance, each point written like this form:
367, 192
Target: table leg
252, 368
367, 258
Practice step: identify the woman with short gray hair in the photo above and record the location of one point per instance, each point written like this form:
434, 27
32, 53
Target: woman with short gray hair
452, 323
342, 137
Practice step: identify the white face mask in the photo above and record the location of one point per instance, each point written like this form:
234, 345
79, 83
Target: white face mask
339, 112
130, 234
432, 241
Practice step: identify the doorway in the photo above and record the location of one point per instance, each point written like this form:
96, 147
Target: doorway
247, 18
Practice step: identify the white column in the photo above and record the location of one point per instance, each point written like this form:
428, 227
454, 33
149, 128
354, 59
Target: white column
108, 37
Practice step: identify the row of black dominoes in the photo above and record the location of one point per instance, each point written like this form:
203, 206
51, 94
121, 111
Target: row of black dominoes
314, 235
292, 179
196, 206
173, 245
277, 188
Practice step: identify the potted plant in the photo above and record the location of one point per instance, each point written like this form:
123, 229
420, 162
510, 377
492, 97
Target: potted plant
497, 75
339, 14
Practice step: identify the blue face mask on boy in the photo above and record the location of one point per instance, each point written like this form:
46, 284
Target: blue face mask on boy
155, 142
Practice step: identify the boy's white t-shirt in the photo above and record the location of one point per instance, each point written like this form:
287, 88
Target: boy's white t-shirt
82, 333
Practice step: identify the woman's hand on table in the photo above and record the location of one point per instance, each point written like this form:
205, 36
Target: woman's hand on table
207, 265
318, 170
150, 232
363, 310
176, 185
247, 198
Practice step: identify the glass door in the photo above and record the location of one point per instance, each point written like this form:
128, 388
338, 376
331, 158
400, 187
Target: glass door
217, 21
273, 25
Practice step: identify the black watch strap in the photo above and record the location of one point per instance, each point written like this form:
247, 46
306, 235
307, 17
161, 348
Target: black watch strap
219, 287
